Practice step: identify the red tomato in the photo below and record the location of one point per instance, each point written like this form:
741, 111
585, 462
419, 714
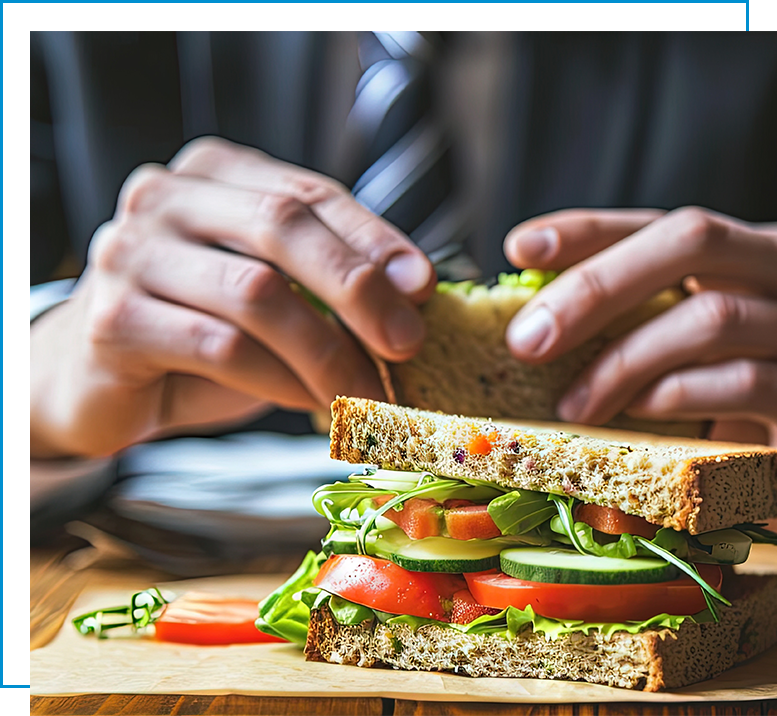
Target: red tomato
466, 609
613, 521
594, 603
471, 522
207, 619
419, 517
382, 585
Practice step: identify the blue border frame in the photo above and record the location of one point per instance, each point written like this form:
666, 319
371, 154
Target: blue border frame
559, 15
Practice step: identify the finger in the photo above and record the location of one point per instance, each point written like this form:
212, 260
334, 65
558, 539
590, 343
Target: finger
739, 389
190, 401
383, 244
283, 232
708, 327
254, 297
587, 297
563, 238
141, 331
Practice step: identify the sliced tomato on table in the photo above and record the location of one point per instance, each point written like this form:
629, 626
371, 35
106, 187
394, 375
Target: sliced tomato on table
210, 619
383, 585
594, 603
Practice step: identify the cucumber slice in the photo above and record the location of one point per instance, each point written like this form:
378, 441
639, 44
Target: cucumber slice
562, 566
437, 554
339, 542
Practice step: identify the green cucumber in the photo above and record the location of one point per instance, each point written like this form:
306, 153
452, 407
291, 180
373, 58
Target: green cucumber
437, 554
339, 542
563, 566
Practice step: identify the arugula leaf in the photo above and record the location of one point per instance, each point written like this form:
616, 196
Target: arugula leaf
758, 533
345, 503
566, 519
520, 511
690, 570
285, 613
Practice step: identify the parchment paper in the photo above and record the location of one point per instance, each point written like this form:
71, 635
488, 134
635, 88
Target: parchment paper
73, 664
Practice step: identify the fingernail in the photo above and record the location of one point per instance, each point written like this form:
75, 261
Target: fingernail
572, 405
408, 272
530, 335
404, 328
537, 246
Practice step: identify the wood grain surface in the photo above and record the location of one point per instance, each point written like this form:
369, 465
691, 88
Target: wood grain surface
58, 576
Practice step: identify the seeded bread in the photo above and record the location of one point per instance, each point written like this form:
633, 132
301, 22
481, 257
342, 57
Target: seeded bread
651, 660
464, 366
695, 485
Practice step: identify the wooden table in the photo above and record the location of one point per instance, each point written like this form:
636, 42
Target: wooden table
58, 576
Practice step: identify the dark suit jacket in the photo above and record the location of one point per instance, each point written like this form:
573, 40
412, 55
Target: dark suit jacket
629, 119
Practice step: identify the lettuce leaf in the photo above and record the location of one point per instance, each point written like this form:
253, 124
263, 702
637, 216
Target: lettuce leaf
511, 621
520, 511
284, 613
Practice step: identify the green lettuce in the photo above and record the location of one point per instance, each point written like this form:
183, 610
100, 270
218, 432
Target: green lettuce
511, 621
285, 613
520, 511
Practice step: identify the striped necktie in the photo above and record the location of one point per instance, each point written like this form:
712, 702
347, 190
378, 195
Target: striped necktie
401, 159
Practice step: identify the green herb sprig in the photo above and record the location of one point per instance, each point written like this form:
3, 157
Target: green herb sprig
144, 609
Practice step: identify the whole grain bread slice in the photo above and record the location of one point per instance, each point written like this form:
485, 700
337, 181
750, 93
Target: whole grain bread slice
464, 365
650, 660
693, 485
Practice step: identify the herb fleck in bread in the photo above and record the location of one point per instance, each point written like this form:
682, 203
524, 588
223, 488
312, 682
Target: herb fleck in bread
693, 485
650, 660
465, 367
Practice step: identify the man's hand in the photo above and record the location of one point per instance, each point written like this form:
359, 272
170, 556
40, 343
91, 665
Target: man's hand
713, 355
166, 329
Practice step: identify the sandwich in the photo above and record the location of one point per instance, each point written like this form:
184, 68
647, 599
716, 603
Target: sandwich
488, 549
465, 367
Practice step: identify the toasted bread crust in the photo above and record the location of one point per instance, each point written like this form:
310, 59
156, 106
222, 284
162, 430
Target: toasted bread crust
698, 486
651, 660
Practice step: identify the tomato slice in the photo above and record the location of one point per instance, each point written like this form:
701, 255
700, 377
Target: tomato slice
419, 517
209, 619
594, 603
382, 585
466, 609
471, 522
613, 521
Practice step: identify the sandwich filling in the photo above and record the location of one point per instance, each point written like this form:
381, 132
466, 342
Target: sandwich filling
414, 548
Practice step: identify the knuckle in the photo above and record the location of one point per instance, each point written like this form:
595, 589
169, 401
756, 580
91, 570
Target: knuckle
108, 320
281, 210
589, 286
698, 228
374, 239
359, 279
143, 190
202, 154
109, 245
749, 378
216, 344
674, 393
253, 284
719, 312
317, 189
